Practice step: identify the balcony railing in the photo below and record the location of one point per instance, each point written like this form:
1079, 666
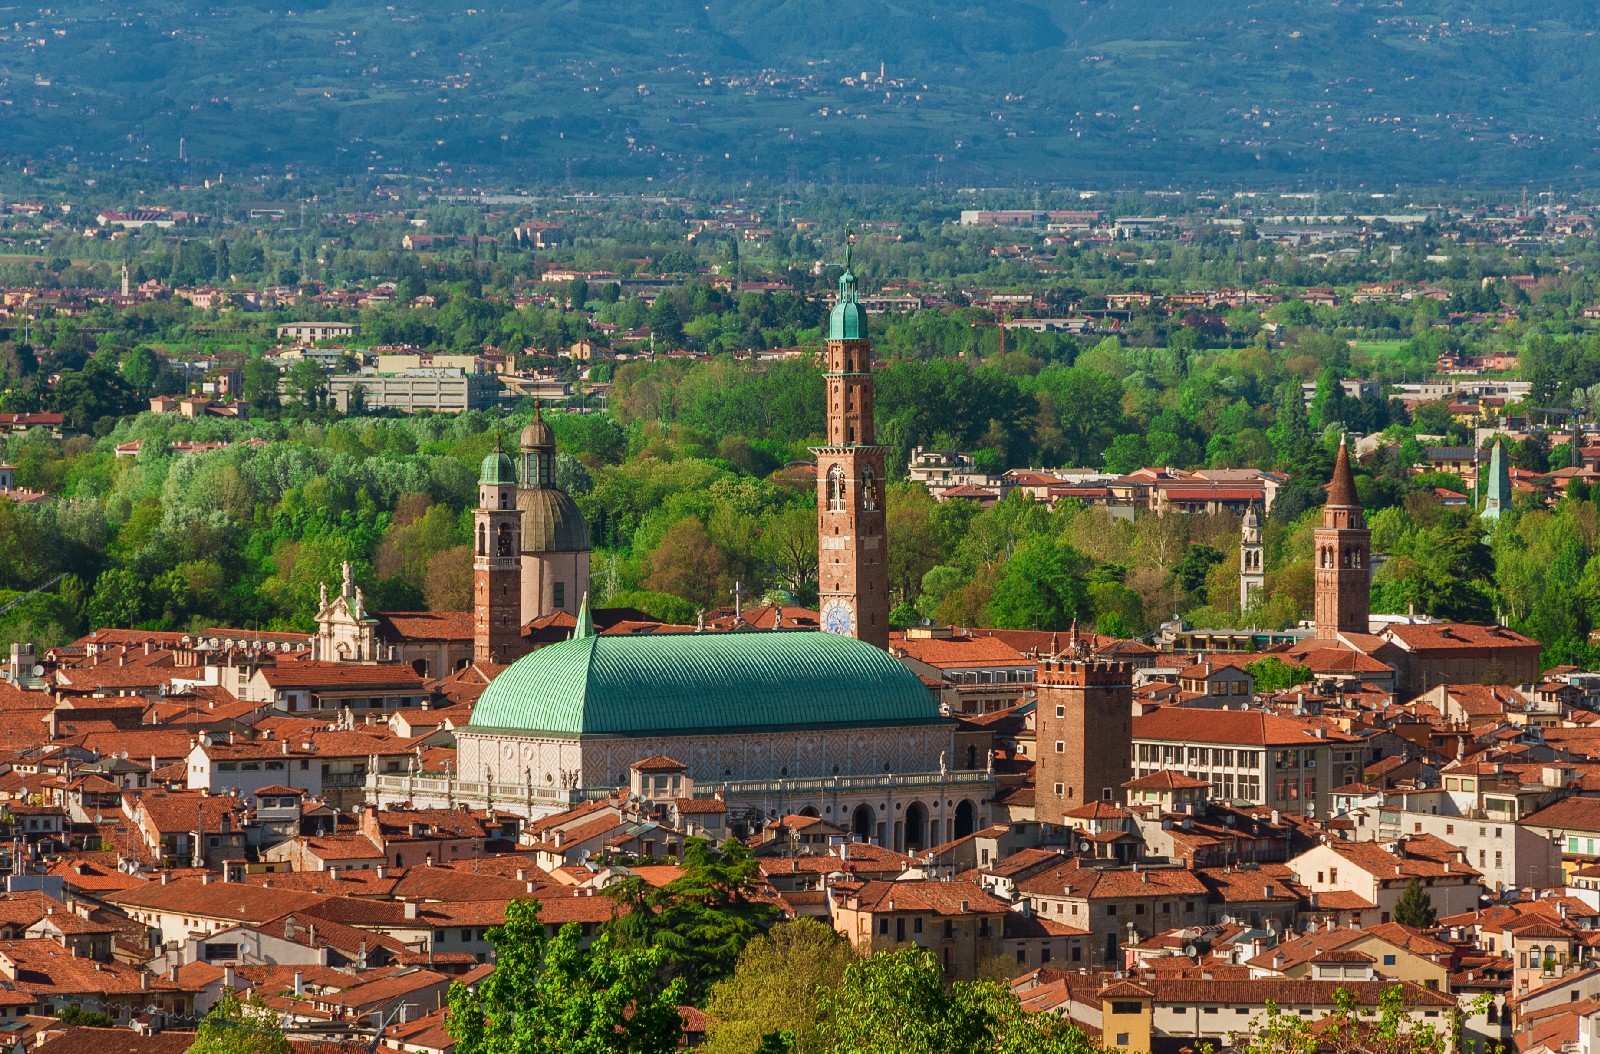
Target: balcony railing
843, 784
452, 789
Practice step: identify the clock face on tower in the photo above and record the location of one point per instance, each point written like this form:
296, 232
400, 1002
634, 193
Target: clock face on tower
838, 618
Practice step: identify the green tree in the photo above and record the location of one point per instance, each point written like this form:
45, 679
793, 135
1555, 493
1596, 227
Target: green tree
777, 987
140, 367
76, 1016
1272, 674
307, 382
120, 598
549, 995
261, 380
702, 919
898, 1003
237, 1027
1415, 907
1040, 587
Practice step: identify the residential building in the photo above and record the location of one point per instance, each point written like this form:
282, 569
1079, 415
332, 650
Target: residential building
1284, 763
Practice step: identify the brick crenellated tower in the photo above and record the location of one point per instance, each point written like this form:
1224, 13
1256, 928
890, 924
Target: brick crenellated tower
497, 564
1083, 725
1343, 552
852, 537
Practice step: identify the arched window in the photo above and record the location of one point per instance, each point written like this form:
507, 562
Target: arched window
869, 490
483, 541
504, 542
836, 489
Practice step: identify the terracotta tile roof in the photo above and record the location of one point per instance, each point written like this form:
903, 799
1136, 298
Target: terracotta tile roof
1285, 992
165, 745
1573, 814
46, 969
700, 806
1097, 882
334, 848
1244, 727
312, 930
960, 652
348, 882
1233, 886
178, 811
1458, 635
919, 896
459, 883
1419, 859
383, 989
93, 873
1024, 860
399, 626
116, 1041
1166, 779
1033, 927
337, 675
659, 763
232, 901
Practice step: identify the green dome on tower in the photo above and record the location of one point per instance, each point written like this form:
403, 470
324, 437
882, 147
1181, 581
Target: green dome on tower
497, 470
849, 319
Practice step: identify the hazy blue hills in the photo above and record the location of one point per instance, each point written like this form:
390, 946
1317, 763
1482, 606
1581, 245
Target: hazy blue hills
1067, 92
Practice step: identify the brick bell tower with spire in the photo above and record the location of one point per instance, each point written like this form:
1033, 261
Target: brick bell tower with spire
1343, 549
497, 564
852, 539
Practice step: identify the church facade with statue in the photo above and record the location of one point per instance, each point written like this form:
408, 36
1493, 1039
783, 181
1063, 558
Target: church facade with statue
774, 722
531, 546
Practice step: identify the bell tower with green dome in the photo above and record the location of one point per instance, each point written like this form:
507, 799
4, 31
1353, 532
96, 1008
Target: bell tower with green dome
555, 538
497, 563
853, 575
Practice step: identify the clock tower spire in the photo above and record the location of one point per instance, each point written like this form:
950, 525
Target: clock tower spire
853, 575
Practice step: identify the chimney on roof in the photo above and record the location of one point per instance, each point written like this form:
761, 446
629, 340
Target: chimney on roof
144, 980
230, 979
299, 983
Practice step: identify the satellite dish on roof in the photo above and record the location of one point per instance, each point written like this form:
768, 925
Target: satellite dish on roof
1085, 847
1191, 950
38, 671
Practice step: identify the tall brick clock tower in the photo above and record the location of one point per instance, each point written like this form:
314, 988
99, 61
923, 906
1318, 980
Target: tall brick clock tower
1344, 557
853, 577
497, 564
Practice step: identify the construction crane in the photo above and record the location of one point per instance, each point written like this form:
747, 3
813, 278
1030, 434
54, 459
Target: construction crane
31, 592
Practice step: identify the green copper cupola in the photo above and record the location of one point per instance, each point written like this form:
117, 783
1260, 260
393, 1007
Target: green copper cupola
849, 319
497, 469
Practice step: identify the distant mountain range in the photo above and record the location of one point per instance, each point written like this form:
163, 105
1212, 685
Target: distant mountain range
1073, 92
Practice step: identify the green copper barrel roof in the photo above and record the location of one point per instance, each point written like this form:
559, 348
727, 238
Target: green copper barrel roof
702, 682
